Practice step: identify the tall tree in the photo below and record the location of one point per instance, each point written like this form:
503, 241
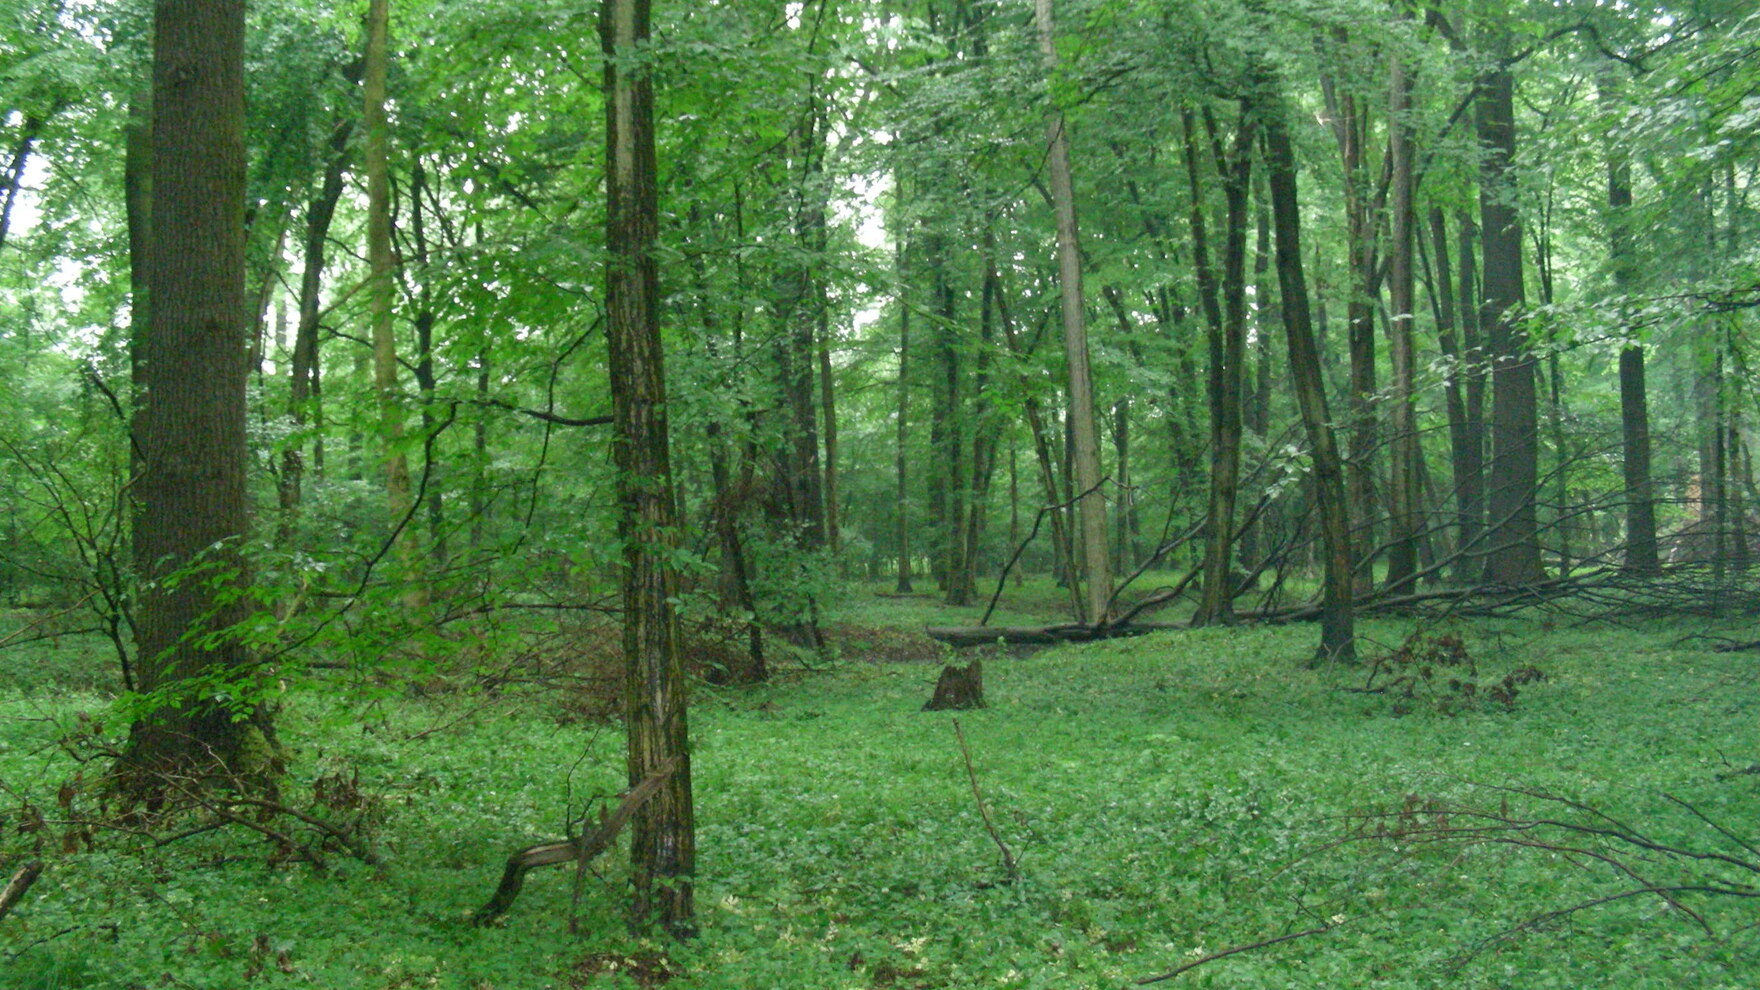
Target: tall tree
1085, 437
1337, 620
380, 295
1634, 403
191, 513
1403, 495
1513, 553
663, 843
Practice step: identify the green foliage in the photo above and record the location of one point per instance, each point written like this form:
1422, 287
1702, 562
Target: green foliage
1166, 796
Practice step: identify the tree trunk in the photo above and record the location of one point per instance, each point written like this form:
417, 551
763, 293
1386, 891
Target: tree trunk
380, 293
1513, 553
1404, 501
1337, 627
1227, 352
1085, 452
319, 213
901, 506
1640, 540
191, 513
1471, 478
663, 842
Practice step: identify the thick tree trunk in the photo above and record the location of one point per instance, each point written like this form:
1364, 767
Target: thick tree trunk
1337, 627
191, 513
1085, 449
663, 842
1463, 457
1513, 550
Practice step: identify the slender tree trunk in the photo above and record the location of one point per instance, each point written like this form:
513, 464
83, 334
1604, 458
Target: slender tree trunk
400, 499
1404, 501
1227, 353
901, 458
1514, 547
1085, 450
1337, 626
1640, 539
191, 494
663, 835
1471, 479
319, 213
435, 496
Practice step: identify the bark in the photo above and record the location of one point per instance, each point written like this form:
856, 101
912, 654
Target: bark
319, 213
1085, 451
1634, 405
1337, 627
663, 839
1227, 353
1404, 502
901, 475
399, 499
434, 498
1471, 479
1463, 455
1350, 121
1513, 550
191, 508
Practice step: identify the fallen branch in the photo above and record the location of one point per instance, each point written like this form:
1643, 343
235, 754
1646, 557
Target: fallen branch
1070, 632
582, 849
1008, 862
21, 882
1232, 951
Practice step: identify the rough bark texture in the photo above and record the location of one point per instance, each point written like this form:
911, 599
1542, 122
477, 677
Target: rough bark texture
190, 496
958, 688
1337, 627
663, 842
1513, 546
1085, 449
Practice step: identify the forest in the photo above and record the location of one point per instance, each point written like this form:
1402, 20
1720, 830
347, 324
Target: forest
882, 493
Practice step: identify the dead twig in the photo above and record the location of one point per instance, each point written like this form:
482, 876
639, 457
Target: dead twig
1008, 860
1232, 951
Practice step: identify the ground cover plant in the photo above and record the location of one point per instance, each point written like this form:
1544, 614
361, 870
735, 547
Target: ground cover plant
1166, 796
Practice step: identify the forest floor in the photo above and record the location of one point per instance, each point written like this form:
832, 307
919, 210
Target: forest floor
1166, 797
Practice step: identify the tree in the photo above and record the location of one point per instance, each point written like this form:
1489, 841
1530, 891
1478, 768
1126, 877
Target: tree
190, 515
1085, 452
1513, 551
663, 843
381, 293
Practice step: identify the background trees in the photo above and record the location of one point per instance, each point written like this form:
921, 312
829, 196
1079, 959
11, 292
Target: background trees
1509, 250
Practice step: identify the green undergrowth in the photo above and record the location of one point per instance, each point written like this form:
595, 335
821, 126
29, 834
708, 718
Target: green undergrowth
1166, 797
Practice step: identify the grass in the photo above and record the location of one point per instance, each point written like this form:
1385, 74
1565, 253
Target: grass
1167, 796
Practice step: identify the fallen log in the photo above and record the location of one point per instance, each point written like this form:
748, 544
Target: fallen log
960, 637
583, 849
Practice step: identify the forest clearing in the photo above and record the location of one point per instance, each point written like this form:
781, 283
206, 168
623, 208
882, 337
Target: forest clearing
875, 494
1165, 797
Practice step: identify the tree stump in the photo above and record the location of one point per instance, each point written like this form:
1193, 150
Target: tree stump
959, 688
